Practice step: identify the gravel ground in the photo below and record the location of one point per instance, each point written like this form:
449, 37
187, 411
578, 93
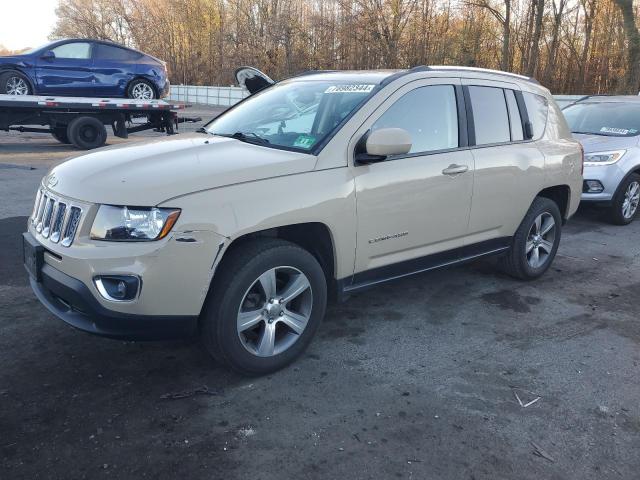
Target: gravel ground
416, 379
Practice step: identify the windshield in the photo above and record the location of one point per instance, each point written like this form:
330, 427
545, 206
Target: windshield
610, 119
295, 115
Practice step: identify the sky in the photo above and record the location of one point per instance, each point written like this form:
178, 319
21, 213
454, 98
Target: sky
26, 23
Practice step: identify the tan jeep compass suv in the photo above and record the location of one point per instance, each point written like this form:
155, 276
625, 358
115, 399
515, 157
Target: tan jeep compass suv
324, 183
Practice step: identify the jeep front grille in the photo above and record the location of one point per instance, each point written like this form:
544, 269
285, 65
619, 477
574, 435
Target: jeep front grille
55, 218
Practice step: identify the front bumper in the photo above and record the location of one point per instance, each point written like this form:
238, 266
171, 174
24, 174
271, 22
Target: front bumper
609, 176
72, 301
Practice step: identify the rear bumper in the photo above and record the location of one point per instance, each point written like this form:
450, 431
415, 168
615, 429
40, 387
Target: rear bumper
72, 301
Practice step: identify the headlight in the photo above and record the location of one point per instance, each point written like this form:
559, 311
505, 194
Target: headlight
133, 224
603, 158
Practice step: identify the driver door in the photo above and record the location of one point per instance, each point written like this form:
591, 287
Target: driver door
69, 72
411, 208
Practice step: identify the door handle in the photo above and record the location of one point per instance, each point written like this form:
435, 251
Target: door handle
454, 169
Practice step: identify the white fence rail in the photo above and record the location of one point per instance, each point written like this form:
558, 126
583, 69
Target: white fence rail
219, 96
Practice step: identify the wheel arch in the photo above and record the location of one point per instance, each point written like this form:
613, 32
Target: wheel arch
314, 237
561, 195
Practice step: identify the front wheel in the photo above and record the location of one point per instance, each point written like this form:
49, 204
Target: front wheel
624, 207
13, 83
266, 303
536, 241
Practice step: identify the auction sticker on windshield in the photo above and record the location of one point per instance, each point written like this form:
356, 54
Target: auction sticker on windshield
350, 89
618, 131
304, 141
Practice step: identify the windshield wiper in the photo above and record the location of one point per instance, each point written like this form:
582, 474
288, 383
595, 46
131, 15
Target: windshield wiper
203, 130
249, 137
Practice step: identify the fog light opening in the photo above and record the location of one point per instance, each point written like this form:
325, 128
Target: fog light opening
593, 186
118, 288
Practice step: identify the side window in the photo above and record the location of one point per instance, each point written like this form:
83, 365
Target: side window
108, 52
490, 116
537, 109
77, 50
514, 116
429, 114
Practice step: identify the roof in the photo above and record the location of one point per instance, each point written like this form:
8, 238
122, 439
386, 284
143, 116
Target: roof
611, 99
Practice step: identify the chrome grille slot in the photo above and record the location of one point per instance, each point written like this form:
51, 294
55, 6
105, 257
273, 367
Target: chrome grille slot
36, 205
58, 220
71, 227
46, 217
42, 208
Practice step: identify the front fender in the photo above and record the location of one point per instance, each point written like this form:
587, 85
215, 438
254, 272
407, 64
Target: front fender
326, 197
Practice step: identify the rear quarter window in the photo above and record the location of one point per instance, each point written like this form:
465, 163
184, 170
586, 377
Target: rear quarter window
537, 110
108, 52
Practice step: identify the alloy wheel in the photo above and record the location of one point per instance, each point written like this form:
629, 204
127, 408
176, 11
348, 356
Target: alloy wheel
275, 311
540, 240
16, 86
631, 200
142, 91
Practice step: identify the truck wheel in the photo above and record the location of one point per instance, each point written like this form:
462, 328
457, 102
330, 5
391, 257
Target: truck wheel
14, 83
60, 134
625, 202
141, 90
265, 304
536, 241
87, 133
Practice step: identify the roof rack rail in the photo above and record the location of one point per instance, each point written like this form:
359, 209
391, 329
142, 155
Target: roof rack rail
484, 70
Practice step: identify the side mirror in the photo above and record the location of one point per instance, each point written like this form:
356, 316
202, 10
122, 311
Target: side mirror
376, 146
48, 55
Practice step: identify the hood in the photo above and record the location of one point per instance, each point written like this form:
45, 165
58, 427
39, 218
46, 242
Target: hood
11, 58
148, 173
601, 143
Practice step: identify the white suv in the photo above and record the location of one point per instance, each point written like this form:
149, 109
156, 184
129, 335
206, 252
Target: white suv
320, 185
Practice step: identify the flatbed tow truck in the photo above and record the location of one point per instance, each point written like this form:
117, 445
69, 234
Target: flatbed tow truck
82, 121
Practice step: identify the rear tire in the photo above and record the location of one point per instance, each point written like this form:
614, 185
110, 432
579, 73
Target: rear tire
87, 133
624, 206
536, 241
60, 134
141, 90
14, 83
254, 322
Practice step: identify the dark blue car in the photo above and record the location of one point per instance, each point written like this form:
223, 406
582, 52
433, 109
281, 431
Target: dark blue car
84, 68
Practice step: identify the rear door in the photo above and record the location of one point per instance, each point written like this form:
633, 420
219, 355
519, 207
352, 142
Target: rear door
69, 72
416, 205
509, 168
114, 68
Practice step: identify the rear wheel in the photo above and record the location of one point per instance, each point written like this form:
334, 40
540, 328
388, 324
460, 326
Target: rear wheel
14, 83
141, 90
266, 303
87, 133
536, 241
624, 207
60, 134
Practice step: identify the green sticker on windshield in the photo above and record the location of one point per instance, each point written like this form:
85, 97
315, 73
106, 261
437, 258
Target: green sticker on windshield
304, 141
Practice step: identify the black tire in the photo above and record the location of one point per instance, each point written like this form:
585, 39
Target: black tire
517, 261
616, 213
238, 271
60, 134
7, 79
145, 85
87, 133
